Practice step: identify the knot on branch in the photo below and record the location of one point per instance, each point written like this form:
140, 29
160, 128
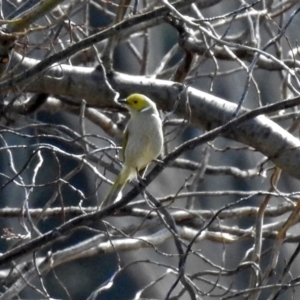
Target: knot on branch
7, 42
184, 34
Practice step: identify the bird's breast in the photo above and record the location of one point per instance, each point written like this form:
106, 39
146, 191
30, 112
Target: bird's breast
144, 142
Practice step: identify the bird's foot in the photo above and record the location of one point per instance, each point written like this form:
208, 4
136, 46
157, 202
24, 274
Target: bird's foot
159, 161
141, 179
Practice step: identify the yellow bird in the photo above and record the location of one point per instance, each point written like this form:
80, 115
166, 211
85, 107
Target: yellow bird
142, 142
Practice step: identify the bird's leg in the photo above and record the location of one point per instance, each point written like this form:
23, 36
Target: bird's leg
141, 173
158, 161
141, 180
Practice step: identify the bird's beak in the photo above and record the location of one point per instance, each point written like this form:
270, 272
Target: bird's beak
122, 101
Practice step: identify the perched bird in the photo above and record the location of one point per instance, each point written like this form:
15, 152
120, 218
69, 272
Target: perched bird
142, 142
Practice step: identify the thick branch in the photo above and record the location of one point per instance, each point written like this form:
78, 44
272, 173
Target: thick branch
201, 109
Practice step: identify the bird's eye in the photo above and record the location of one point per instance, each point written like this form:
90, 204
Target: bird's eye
135, 102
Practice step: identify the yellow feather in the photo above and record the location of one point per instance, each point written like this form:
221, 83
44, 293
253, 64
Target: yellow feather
125, 175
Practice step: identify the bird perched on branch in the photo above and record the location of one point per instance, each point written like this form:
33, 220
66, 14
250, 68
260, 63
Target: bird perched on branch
142, 142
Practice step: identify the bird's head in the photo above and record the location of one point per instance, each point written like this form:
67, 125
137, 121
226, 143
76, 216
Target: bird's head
137, 102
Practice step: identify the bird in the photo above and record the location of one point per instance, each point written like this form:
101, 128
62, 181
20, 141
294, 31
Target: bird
142, 142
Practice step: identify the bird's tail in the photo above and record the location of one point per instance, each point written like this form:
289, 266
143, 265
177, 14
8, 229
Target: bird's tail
125, 175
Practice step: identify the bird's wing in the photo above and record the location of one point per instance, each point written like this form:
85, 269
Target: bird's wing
124, 143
